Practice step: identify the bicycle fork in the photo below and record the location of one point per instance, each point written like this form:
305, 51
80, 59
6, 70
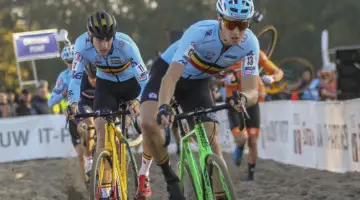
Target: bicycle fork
194, 171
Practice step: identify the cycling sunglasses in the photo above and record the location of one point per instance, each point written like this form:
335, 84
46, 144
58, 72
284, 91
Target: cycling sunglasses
231, 25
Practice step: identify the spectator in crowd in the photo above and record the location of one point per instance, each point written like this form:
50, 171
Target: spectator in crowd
11, 97
39, 101
312, 92
303, 82
25, 107
327, 90
5, 109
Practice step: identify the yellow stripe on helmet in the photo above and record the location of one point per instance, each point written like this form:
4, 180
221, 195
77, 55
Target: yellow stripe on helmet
94, 21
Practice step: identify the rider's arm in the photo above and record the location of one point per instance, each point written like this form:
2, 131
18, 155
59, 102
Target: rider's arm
138, 67
233, 70
177, 65
78, 70
250, 74
57, 92
169, 81
270, 67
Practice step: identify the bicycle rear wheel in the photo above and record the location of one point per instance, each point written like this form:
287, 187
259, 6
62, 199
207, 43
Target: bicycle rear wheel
223, 174
270, 35
188, 188
102, 157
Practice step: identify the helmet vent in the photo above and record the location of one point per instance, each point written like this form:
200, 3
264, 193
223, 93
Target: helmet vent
234, 10
219, 6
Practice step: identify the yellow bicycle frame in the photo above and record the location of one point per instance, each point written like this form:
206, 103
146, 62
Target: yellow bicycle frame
119, 168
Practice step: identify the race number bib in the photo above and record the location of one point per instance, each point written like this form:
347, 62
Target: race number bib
250, 61
250, 66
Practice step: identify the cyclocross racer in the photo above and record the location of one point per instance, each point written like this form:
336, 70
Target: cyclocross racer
121, 72
60, 93
85, 127
250, 130
206, 48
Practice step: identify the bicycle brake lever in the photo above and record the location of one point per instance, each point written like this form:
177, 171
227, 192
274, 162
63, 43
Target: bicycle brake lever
237, 100
68, 111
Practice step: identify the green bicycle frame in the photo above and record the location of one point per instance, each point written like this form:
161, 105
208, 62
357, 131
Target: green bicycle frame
204, 151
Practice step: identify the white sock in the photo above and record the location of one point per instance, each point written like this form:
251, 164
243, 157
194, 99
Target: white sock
145, 165
105, 192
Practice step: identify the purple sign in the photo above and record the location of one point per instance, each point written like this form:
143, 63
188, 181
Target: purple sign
36, 45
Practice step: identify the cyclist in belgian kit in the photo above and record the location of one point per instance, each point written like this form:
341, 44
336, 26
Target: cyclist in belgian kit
121, 73
206, 48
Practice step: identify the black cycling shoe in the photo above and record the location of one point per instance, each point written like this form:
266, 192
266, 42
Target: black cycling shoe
173, 188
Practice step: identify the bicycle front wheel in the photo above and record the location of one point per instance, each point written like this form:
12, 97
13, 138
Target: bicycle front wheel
133, 137
131, 175
133, 142
102, 158
219, 176
188, 188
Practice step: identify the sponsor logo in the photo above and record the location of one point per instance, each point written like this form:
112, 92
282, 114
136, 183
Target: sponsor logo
152, 95
115, 61
208, 33
183, 61
134, 64
142, 77
98, 60
210, 55
230, 56
355, 153
250, 53
77, 75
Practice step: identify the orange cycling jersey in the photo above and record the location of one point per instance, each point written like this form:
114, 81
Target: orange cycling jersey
268, 66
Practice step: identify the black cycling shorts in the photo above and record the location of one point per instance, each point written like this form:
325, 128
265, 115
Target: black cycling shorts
108, 94
237, 119
189, 93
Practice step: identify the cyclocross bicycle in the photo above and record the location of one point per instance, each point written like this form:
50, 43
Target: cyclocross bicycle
117, 155
202, 181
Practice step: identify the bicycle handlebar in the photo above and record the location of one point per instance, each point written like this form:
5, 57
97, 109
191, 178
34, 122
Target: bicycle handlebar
202, 111
102, 114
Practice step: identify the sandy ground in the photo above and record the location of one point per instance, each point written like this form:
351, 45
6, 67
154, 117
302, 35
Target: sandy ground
59, 179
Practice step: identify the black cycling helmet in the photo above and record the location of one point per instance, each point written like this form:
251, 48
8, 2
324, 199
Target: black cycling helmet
101, 25
90, 70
